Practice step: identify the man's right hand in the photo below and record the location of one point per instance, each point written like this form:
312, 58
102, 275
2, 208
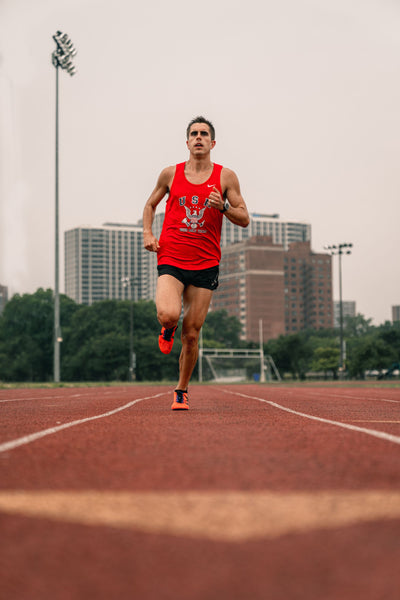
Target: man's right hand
150, 242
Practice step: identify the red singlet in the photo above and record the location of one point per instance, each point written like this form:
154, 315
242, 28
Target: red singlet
191, 233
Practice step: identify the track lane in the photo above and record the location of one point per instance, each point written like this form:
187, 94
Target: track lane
28, 416
228, 451
383, 435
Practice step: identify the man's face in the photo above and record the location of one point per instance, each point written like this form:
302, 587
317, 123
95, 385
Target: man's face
199, 141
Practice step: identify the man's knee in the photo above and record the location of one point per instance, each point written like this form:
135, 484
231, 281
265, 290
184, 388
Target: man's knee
190, 337
167, 318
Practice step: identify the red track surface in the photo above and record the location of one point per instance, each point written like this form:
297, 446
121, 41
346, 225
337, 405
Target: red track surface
243, 497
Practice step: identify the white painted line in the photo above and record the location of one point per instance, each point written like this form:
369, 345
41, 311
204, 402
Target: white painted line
372, 421
32, 437
372, 432
88, 392
353, 397
32, 398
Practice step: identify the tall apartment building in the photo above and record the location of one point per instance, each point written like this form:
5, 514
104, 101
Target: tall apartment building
308, 289
282, 232
349, 310
3, 297
97, 259
289, 290
251, 286
396, 313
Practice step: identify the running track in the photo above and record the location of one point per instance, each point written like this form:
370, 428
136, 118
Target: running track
258, 492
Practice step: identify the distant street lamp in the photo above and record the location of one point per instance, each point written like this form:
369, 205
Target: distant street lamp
61, 58
129, 282
339, 249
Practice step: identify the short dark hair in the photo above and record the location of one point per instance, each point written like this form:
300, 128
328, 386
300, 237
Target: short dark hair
201, 120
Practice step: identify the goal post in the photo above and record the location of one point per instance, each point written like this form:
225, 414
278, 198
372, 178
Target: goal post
235, 364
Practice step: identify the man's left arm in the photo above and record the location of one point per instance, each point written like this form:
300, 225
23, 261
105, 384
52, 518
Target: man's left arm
237, 211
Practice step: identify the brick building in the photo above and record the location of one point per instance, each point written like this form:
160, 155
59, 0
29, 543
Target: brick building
289, 290
252, 286
308, 289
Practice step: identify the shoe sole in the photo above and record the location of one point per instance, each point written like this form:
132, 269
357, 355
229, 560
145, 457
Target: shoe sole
179, 406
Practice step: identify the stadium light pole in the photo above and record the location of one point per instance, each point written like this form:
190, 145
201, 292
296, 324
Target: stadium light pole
61, 58
339, 250
130, 281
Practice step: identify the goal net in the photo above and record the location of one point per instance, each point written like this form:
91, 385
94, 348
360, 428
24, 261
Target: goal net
232, 365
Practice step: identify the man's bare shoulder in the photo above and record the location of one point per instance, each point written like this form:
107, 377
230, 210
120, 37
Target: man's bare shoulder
166, 176
228, 177
168, 171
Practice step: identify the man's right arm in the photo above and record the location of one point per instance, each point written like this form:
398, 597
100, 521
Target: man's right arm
164, 181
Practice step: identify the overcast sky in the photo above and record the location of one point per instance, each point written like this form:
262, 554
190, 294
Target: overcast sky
304, 95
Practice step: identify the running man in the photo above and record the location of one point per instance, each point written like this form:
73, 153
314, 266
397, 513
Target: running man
200, 194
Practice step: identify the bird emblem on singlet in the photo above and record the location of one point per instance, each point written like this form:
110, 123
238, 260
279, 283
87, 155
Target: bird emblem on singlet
193, 219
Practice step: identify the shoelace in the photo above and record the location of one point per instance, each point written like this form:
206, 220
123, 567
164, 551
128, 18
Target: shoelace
179, 397
168, 333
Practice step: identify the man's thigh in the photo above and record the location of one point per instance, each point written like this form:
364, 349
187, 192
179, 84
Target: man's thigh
169, 295
196, 302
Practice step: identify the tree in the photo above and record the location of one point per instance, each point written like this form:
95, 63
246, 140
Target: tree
222, 328
291, 354
369, 353
326, 358
26, 336
357, 326
96, 342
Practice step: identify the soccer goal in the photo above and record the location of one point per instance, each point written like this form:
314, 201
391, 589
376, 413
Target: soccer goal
233, 365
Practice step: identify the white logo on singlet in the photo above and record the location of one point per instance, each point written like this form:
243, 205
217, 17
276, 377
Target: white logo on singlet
193, 219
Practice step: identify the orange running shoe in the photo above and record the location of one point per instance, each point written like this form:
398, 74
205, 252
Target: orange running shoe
180, 400
166, 339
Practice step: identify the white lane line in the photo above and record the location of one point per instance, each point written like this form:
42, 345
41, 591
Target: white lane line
353, 397
33, 398
372, 432
85, 393
32, 437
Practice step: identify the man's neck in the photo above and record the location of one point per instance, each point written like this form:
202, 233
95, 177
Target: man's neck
199, 164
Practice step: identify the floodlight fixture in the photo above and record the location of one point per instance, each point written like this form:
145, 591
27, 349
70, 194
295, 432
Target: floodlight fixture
64, 52
337, 250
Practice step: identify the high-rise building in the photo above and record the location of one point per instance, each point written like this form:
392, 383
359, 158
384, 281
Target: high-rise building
288, 290
282, 232
348, 308
97, 259
3, 297
251, 286
396, 313
308, 289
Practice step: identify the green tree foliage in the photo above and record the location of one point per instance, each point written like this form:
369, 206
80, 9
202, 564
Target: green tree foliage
222, 329
96, 342
97, 345
357, 326
292, 354
367, 348
26, 336
326, 358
